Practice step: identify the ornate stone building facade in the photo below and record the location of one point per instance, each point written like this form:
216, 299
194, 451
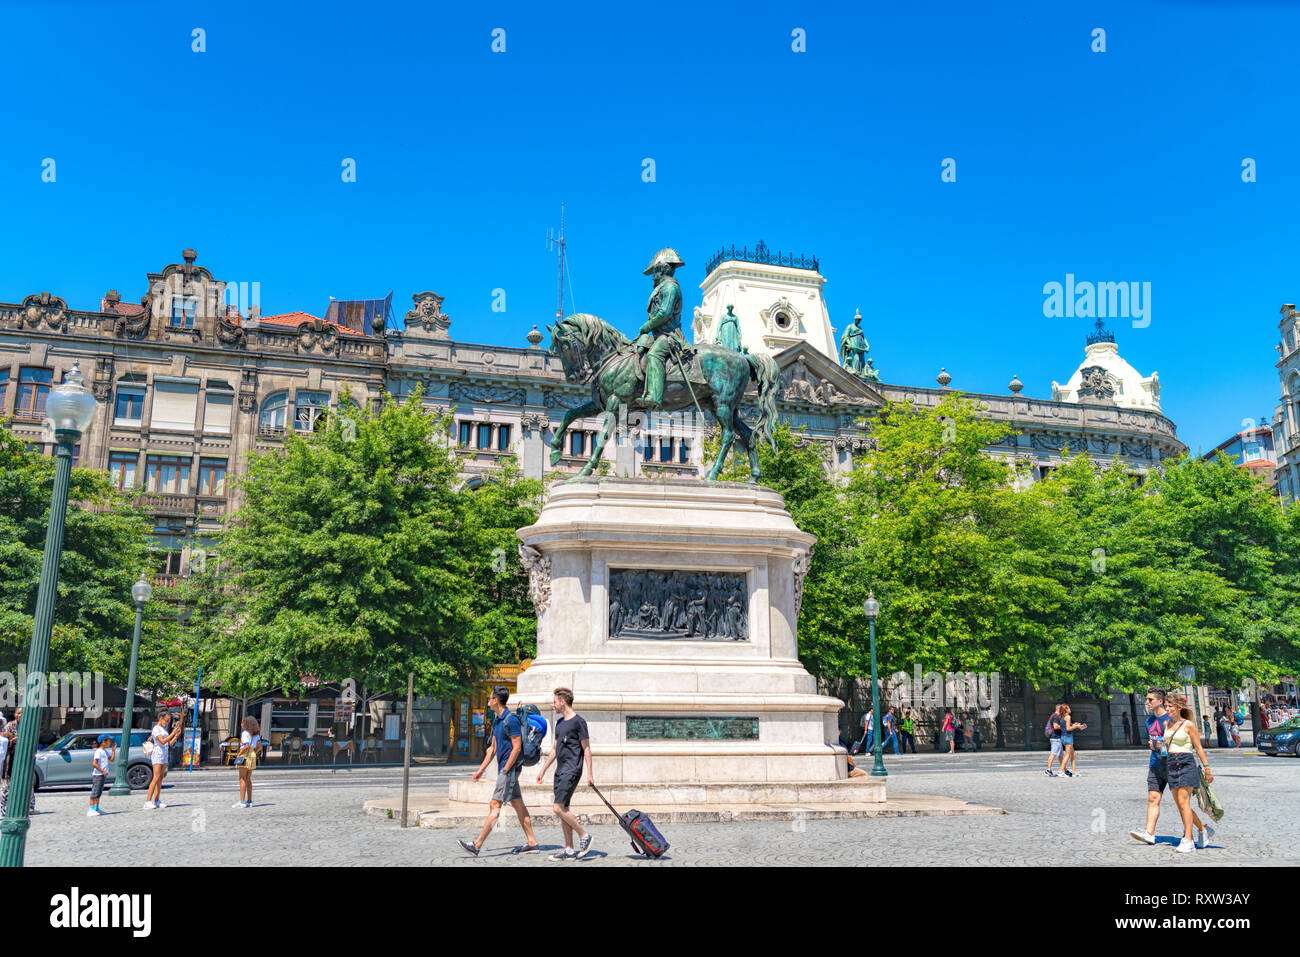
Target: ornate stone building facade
1286, 420
188, 385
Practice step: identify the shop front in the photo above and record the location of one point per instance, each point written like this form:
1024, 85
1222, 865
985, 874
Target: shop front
471, 723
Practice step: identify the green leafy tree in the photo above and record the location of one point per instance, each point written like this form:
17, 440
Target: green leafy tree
942, 536
105, 548
831, 644
359, 553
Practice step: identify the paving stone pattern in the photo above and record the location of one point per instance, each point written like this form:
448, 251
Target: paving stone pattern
315, 818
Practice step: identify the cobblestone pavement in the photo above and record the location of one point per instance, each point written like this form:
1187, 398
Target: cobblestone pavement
314, 818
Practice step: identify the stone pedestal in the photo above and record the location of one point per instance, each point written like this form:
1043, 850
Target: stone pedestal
682, 712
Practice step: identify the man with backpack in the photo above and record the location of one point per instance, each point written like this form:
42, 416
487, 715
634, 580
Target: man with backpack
507, 746
571, 750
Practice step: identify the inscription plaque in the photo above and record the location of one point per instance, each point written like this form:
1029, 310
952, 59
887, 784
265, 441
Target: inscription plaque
650, 727
701, 606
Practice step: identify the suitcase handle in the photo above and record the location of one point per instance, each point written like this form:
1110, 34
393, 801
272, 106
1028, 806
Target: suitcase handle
602, 797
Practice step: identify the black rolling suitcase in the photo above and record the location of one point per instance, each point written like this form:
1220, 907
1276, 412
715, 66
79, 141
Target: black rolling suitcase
646, 838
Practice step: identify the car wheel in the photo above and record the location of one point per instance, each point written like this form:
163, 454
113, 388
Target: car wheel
138, 776
1295, 749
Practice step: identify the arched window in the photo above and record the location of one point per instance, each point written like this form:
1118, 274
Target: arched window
307, 408
1293, 399
274, 408
782, 320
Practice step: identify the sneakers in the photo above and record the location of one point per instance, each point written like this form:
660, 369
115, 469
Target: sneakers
1142, 836
584, 845
1185, 846
528, 848
563, 856
94, 812
242, 804
469, 846
150, 806
158, 805
1202, 840
1068, 773
1051, 774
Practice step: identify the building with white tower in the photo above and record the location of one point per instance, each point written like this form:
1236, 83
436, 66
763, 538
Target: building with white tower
1104, 377
776, 297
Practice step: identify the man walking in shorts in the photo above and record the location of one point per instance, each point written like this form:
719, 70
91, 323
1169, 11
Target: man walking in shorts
1157, 770
507, 747
571, 750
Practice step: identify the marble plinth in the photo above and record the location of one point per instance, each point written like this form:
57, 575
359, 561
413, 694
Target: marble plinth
640, 695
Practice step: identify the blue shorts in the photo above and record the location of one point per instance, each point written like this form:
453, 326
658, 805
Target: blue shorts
1057, 748
1067, 739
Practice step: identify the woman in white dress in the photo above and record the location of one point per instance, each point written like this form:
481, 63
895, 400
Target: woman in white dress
163, 736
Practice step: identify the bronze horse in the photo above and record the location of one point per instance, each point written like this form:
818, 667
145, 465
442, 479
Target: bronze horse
593, 351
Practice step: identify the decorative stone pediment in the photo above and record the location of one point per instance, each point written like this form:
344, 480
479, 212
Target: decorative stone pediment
427, 316
43, 309
809, 377
317, 334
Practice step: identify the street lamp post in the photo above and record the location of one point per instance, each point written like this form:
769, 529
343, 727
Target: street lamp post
872, 608
69, 410
141, 592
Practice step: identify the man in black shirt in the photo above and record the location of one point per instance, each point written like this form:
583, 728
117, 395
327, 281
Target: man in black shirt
571, 750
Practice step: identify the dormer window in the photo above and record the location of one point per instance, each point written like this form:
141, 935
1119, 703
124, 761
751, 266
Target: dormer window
184, 309
782, 321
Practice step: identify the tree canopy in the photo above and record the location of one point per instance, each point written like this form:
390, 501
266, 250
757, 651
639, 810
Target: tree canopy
359, 552
1090, 577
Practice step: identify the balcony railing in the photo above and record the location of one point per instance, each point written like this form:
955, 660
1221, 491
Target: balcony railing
161, 503
761, 254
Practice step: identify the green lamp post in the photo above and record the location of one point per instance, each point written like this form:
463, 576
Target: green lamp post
872, 609
141, 592
69, 410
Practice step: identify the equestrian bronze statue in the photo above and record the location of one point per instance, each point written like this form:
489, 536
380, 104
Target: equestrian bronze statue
659, 371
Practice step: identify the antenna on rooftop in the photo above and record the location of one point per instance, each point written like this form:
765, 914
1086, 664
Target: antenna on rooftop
557, 243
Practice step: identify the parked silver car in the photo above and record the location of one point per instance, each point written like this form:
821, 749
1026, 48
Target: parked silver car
66, 762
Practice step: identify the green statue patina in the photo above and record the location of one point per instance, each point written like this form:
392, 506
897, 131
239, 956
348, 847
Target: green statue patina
729, 332
674, 376
661, 333
853, 347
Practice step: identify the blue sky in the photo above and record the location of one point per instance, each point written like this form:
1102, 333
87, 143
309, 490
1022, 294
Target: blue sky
1115, 166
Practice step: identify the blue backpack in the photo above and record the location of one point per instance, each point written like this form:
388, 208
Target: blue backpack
532, 728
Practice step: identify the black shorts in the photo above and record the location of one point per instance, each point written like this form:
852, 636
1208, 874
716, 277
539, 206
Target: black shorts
97, 785
564, 788
1158, 776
